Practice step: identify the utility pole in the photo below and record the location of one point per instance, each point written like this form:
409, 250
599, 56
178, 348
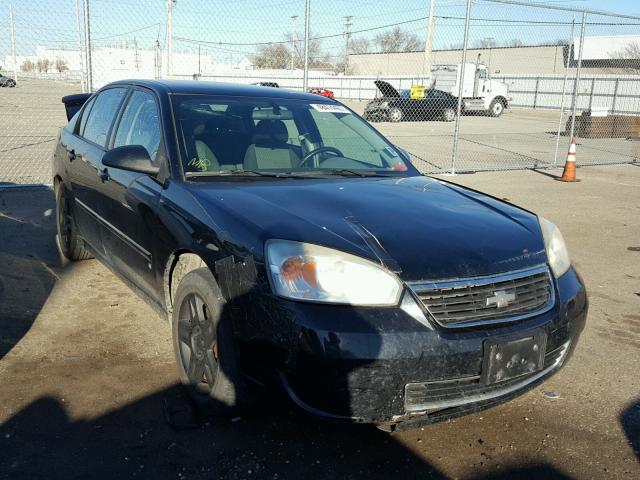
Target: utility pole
168, 44
428, 47
347, 34
136, 57
13, 42
83, 82
305, 76
156, 60
199, 67
87, 45
293, 38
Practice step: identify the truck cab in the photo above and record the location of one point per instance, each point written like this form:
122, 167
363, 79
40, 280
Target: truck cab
479, 91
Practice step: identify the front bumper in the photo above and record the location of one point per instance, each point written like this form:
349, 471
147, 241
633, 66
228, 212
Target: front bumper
388, 366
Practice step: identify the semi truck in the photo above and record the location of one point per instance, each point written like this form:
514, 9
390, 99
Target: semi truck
480, 93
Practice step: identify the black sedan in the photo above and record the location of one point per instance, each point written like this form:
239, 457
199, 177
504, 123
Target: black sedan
394, 106
7, 81
291, 245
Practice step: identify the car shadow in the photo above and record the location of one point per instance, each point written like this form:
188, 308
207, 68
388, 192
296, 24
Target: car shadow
29, 258
630, 422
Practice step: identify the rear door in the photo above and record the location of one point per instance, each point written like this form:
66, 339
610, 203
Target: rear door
132, 198
84, 155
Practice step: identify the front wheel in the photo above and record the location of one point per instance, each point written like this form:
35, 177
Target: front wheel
395, 115
69, 243
496, 108
203, 344
449, 115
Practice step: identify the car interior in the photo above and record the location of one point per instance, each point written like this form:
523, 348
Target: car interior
263, 136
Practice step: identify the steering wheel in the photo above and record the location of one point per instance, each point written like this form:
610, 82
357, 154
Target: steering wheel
318, 150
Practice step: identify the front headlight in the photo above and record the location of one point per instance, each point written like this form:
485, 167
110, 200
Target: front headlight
303, 271
557, 252
383, 104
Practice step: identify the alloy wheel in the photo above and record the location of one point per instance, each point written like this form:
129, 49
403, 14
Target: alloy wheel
197, 342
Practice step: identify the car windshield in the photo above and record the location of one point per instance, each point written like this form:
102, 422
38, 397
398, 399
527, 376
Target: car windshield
279, 137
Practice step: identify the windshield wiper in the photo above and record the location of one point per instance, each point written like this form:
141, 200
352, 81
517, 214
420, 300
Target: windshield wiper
345, 172
244, 172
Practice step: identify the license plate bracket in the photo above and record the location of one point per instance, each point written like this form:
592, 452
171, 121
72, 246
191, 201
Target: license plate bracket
509, 358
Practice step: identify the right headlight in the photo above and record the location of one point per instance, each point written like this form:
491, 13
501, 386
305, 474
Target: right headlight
557, 252
304, 271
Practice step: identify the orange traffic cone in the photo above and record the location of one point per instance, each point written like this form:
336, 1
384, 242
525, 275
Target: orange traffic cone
569, 173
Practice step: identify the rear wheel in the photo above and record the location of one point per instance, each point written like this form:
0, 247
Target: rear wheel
496, 108
395, 115
203, 345
69, 243
449, 115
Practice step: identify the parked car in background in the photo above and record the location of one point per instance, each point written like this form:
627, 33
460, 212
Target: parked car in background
396, 106
267, 84
291, 245
7, 81
325, 92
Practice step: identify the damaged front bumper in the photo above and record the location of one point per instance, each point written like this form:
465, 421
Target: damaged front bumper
391, 367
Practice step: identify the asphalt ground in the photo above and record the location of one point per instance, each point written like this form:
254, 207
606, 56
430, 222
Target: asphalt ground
89, 386
32, 114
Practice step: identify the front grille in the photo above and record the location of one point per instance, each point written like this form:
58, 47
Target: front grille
458, 391
497, 298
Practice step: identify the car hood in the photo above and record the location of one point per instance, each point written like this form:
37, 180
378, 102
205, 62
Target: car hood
422, 228
386, 89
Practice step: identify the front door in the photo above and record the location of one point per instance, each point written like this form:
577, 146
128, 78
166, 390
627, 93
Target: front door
132, 198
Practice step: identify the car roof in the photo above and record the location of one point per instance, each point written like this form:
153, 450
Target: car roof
198, 87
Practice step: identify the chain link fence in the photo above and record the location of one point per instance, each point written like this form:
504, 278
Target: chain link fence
462, 86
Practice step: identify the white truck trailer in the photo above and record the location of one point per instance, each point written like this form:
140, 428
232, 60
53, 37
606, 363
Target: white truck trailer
479, 92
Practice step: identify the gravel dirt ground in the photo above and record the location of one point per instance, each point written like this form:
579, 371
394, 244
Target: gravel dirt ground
89, 386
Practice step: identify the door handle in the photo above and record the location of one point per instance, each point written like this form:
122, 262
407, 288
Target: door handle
71, 155
104, 175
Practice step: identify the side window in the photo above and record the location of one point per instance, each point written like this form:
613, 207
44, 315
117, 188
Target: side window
140, 123
85, 115
101, 115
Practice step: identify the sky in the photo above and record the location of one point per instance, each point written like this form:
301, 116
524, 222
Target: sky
229, 30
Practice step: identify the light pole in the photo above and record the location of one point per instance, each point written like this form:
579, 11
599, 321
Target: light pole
347, 34
293, 38
13, 43
428, 47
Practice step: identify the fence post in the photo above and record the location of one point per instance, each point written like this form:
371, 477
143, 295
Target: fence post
576, 83
615, 96
13, 42
593, 85
83, 83
305, 76
535, 94
87, 46
564, 91
456, 131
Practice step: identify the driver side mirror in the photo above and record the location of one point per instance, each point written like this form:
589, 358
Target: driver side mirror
133, 158
404, 153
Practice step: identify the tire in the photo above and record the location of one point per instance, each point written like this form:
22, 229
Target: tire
71, 246
203, 345
448, 115
496, 108
395, 115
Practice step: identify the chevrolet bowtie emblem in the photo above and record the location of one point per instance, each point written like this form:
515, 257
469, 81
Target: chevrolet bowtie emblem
501, 299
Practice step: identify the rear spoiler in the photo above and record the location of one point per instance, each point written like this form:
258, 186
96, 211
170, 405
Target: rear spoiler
73, 103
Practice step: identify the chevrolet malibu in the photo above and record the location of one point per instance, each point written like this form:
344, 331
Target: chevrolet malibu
291, 245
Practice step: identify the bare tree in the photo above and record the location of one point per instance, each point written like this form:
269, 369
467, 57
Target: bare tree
629, 57
272, 56
61, 65
27, 66
358, 46
516, 42
397, 40
316, 57
43, 64
486, 43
